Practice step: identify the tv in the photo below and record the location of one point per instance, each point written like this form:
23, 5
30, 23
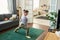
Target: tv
58, 20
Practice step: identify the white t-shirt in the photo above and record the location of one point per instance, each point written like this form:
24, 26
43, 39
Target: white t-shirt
23, 20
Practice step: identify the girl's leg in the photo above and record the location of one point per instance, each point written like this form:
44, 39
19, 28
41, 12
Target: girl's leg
27, 33
16, 30
20, 26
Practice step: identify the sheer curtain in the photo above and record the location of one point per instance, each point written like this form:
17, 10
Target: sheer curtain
4, 7
35, 4
53, 5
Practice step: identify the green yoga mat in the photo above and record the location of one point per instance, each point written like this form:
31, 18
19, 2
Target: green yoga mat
11, 35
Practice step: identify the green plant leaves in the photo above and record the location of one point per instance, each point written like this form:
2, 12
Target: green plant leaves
52, 17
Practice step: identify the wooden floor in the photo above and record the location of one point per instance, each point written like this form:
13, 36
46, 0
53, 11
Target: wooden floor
51, 36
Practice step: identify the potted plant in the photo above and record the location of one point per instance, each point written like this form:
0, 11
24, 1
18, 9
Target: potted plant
52, 16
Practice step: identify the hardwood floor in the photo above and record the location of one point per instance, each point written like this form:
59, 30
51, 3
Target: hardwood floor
51, 36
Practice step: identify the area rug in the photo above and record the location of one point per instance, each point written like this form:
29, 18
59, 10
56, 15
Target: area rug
11, 35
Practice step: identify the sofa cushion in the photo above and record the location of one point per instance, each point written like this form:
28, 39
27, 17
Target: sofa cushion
7, 16
1, 17
8, 24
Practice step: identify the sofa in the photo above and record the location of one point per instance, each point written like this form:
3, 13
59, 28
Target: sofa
4, 24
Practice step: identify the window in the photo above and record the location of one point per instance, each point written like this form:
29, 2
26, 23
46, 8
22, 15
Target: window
35, 4
53, 5
4, 7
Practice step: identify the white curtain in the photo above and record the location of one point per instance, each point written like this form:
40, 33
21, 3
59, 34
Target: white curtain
53, 6
35, 4
4, 8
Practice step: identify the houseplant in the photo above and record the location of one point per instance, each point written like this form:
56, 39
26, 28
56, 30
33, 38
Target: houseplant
52, 16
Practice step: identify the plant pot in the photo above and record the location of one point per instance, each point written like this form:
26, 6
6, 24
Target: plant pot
52, 30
